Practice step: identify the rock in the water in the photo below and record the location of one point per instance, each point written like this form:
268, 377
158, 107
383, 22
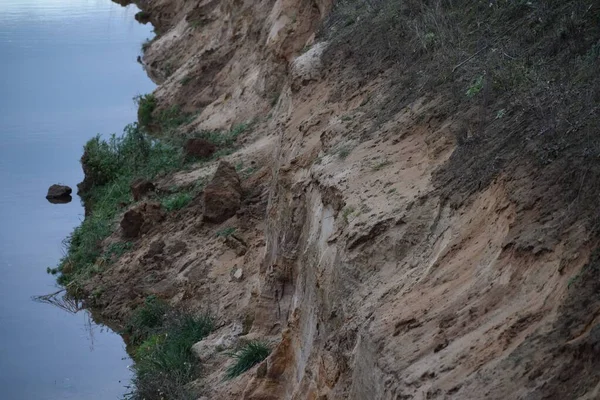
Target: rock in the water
59, 194
198, 148
141, 187
141, 219
223, 195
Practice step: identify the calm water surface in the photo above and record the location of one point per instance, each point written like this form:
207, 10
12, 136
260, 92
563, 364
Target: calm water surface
67, 72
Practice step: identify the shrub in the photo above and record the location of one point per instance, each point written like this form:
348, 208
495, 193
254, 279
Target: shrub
248, 356
146, 106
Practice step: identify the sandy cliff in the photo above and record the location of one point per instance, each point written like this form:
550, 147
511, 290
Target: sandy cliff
396, 238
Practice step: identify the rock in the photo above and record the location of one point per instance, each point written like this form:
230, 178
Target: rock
141, 187
58, 192
236, 244
198, 148
206, 348
238, 274
61, 200
222, 196
141, 219
308, 66
143, 17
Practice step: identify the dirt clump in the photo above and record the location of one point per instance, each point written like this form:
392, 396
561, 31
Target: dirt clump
198, 148
140, 219
223, 195
140, 188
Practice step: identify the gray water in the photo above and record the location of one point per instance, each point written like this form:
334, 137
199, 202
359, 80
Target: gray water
67, 72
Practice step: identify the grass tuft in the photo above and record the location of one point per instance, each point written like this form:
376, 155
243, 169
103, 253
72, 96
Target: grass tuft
248, 356
177, 201
146, 319
165, 363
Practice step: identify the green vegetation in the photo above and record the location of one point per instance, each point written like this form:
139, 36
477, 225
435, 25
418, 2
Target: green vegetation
244, 172
483, 57
248, 356
146, 105
224, 138
225, 232
146, 45
475, 87
165, 363
111, 165
146, 320
116, 250
344, 151
379, 166
346, 212
177, 201
185, 80
165, 121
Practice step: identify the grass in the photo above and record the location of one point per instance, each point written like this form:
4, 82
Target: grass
164, 362
111, 165
481, 57
346, 212
146, 319
225, 232
165, 121
248, 356
225, 138
177, 201
379, 166
115, 250
343, 152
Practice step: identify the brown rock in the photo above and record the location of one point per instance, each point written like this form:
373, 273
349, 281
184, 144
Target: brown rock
198, 148
141, 219
141, 187
58, 192
222, 196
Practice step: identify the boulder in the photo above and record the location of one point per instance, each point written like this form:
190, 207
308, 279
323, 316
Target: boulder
198, 148
59, 194
208, 347
140, 188
223, 195
141, 219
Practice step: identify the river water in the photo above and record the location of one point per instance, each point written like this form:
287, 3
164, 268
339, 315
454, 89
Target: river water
67, 72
